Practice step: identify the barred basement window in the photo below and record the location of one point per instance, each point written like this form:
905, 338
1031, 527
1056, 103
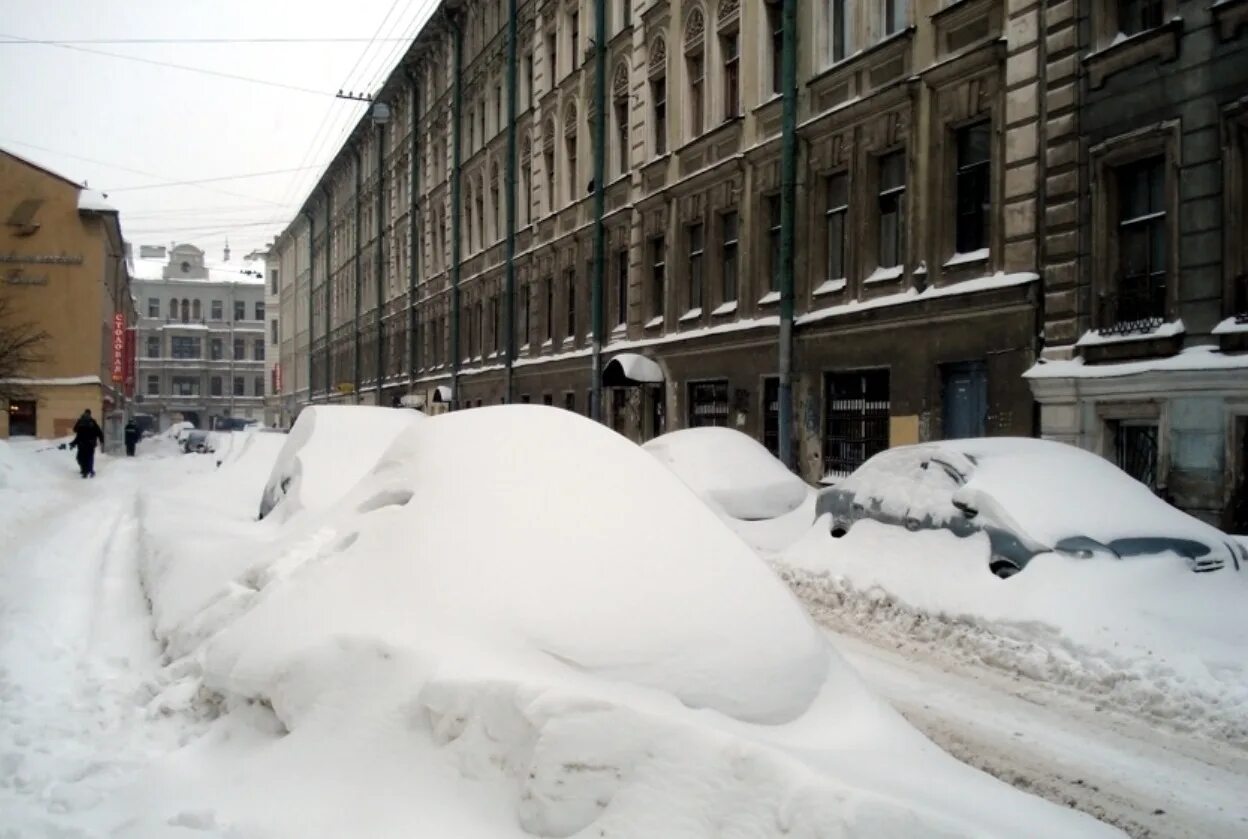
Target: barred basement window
708, 403
856, 411
974, 165
1135, 449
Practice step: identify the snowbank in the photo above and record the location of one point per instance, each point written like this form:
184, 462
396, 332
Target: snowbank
1146, 635
731, 471
329, 448
486, 638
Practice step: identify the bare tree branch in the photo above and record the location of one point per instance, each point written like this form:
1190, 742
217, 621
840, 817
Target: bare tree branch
23, 346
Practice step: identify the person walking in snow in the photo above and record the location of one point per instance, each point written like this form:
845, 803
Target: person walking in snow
132, 437
87, 433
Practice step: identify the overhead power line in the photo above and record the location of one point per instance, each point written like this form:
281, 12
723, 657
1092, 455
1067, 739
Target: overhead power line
211, 180
185, 67
58, 42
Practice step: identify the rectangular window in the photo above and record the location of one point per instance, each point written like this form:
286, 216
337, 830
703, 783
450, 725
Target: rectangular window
153, 347
840, 14
215, 386
1135, 449
658, 275
552, 56
218, 310
257, 351
732, 74
260, 310
570, 283
273, 339
658, 93
498, 107
892, 209
239, 386
895, 14
1140, 299
729, 225
240, 310
153, 307
574, 37
695, 266
550, 308
571, 155
526, 95
771, 415
974, 193
621, 133
569, 401
153, 385
856, 411
216, 348
708, 403
621, 287
1136, 16
182, 347
548, 161
524, 314
240, 351
697, 79
273, 281
773, 242
775, 24
257, 385
496, 320
185, 386
836, 210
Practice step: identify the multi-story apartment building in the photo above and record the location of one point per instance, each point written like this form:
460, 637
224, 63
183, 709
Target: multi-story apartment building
925, 135
1145, 243
200, 341
62, 275
272, 336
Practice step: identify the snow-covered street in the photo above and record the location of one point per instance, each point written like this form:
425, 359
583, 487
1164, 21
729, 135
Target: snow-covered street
169, 666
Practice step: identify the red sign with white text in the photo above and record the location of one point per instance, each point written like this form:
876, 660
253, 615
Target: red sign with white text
277, 378
129, 362
119, 347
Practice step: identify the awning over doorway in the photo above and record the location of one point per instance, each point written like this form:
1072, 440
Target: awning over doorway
442, 393
630, 369
412, 400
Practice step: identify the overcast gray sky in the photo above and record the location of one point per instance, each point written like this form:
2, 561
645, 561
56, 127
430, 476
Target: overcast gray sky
120, 124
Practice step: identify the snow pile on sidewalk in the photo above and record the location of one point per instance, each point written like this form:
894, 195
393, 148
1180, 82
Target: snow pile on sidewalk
730, 471
488, 637
29, 470
328, 450
1144, 635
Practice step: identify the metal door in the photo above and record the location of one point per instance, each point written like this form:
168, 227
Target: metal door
965, 400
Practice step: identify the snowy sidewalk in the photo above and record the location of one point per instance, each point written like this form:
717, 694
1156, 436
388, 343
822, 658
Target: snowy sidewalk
76, 655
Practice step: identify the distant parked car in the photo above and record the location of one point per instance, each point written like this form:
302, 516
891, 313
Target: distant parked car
197, 442
1029, 497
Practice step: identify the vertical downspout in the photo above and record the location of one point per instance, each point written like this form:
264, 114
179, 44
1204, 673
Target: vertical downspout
311, 299
456, 110
600, 197
329, 244
359, 174
414, 249
510, 187
788, 197
379, 257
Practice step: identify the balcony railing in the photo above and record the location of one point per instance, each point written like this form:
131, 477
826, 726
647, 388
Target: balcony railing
1131, 310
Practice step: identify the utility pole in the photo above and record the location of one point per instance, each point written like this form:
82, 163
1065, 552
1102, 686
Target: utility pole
311, 217
359, 186
457, 104
600, 153
380, 116
413, 205
510, 187
788, 197
328, 284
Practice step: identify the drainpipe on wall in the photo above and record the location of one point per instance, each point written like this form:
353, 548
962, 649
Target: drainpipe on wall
456, 109
600, 153
311, 298
359, 186
510, 187
414, 250
788, 197
329, 241
379, 256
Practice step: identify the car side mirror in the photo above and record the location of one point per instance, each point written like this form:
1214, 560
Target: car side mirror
966, 509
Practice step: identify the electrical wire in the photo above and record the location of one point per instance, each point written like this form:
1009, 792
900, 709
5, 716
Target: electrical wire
57, 42
211, 180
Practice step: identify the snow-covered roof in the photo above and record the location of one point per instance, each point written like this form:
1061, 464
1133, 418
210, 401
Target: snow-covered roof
93, 201
218, 272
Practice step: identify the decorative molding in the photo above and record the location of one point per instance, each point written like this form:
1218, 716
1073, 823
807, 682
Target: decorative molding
658, 57
1161, 43
695, 27
728, 12
619, 83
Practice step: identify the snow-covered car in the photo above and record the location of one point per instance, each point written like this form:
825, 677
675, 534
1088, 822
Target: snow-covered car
197, 442
1028, 497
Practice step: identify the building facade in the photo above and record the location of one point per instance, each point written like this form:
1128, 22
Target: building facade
63, 271
1146, 244
201, 338
925, 136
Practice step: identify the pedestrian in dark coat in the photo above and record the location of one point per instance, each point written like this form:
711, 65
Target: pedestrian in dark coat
132, 437
87, 433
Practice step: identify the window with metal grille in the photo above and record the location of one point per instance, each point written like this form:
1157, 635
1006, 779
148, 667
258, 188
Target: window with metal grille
836, 210
695, 266
892, 209
1139, 301
856, 410
729, 223
974, 165
708, 403
1135, 450
1139, 15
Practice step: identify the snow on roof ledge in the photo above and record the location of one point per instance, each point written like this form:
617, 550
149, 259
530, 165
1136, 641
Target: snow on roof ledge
1193, 358
91, 201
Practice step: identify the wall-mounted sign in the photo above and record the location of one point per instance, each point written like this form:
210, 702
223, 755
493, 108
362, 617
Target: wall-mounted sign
40, 259
119, 347
277, 378
346, 387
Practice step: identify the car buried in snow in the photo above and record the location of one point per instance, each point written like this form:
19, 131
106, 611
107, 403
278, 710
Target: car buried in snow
197, 442
1028, 497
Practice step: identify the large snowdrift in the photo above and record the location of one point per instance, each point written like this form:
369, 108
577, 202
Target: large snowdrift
329, 448
518, 624
1145, 635
731, 471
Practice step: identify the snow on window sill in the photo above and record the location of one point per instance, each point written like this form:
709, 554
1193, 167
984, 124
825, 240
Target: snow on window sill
523, 348
882, 274
655, 321
829, 286
967, 258
1230, 326
548, 343
769, 297
619, 329
1091, 338
724, 308
692, 314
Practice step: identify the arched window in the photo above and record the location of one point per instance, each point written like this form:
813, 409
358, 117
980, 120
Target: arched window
186, 311
468, 217
619, 103
548, 163
496, 206
695, 70
481, 211
658, 95
196, 311
569, 139
525, 205
173, 309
